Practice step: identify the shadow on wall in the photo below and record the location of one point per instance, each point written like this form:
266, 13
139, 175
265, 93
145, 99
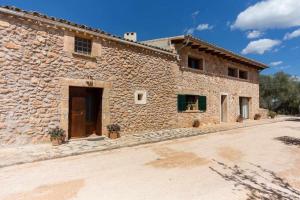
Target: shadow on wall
291, 141
259, 183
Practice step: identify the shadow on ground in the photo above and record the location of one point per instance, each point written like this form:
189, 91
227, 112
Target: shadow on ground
258, 182
293, 120
291, 141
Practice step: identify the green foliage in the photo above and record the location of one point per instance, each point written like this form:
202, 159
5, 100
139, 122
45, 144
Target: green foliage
280, 93
113, 128
56, 132
272, 114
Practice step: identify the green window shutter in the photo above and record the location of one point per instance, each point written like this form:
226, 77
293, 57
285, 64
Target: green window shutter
202, 103
181, 103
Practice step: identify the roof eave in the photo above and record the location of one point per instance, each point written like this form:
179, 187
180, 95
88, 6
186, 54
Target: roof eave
213, 49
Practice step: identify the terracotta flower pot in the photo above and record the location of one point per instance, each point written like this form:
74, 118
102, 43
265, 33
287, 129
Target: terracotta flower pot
113, 135
56, 141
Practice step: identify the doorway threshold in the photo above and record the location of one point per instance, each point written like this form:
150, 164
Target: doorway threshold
90, 138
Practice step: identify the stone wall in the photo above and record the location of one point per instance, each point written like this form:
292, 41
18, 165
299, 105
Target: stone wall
34, 62
38, 65
212, 82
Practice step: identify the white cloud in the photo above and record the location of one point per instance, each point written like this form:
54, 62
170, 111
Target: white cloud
284, 67
203, 27
276, 63
254, 34
261, 46
269, 14
292, 35
195, 14
190, 31
200, 27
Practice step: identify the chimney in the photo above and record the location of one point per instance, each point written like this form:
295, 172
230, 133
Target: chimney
131, 36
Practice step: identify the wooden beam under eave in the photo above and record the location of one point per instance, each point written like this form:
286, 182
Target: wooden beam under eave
209, 51
202, 48
195, 46
177, 41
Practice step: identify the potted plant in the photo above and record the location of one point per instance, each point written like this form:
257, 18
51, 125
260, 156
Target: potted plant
196, 123
113, 131
240, 119
57, 136
257, 116
272, 114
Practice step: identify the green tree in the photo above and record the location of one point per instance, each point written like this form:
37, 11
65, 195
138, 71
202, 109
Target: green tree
280, 93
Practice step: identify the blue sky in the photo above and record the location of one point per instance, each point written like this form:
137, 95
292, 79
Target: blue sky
267, 31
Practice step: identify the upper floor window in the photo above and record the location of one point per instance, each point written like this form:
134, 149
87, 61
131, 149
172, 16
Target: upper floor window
83, 46
233, 72
195, 63
243, 74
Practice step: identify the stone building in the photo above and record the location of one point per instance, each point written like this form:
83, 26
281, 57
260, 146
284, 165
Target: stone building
213, 84
57, 73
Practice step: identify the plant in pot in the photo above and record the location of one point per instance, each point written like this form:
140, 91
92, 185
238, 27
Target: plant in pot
57, 136
272, 114
240, 119
196, 123
257, 116
113, 131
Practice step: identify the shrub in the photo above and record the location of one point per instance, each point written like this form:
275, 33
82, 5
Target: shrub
113, 128
56, 132
196, 123
272, 114
257, 116
240, 119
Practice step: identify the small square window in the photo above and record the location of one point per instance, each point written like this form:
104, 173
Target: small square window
83, 46
195, 63
140, 97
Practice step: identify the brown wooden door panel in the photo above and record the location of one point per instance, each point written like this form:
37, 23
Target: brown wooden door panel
78, 123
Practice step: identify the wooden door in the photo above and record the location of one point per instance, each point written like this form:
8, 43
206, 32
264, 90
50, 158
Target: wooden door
78, 115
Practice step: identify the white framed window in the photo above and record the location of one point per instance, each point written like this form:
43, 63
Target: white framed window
140, 97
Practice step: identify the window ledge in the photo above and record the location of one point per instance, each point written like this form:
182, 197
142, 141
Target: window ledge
84, 56
238, 79
192, 111
192, 70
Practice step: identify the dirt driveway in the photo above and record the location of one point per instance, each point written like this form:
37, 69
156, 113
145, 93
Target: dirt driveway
260, 162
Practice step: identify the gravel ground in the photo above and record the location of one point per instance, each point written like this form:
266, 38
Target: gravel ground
260, 162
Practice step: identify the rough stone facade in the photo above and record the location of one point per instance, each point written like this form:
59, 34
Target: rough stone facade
212, 82
34, 64
38, 65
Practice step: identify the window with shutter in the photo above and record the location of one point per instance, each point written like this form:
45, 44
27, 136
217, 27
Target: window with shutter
191, 103
181, 103
202, 103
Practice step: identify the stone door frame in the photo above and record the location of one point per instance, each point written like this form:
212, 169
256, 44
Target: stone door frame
221, 106
65, 95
